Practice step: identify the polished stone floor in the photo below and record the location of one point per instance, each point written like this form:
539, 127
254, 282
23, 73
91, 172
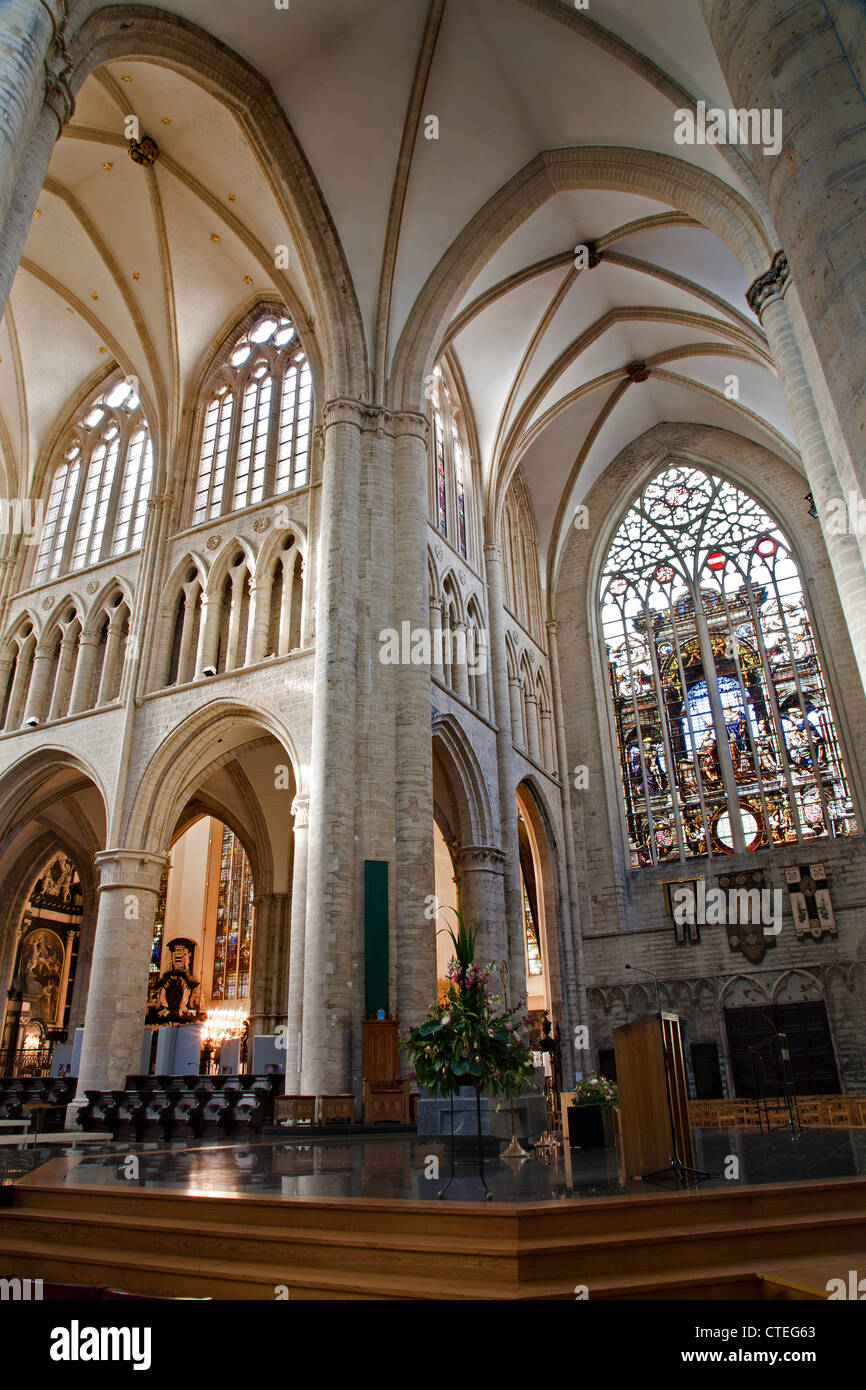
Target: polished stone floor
398, 1168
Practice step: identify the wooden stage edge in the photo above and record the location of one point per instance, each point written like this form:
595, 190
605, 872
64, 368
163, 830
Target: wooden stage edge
781, 1240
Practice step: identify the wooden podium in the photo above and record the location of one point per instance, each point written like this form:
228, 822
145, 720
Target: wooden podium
645, 1119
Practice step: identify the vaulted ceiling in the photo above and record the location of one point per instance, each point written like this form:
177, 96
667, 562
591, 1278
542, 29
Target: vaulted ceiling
146, 267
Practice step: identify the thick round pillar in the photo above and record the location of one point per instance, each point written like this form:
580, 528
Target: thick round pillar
35, 104
483, 896
270, 966
505, 764
574, 969
117, 993
790, 56
332, 881
416, 959
295, 1011
766, 298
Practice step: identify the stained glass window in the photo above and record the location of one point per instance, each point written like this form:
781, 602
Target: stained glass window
98, 499
441, 486
724, 731
461, 495
234, 924
256, 433
534, 964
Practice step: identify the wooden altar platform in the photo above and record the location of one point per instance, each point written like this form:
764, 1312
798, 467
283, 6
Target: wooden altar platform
770, 1240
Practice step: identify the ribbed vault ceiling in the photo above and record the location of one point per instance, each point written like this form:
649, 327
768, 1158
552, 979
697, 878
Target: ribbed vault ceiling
145, 267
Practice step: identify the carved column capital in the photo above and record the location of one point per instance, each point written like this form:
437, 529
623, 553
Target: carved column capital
769, 286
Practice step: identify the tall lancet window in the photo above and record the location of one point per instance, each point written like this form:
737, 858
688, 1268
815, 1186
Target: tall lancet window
255, 422
450, 473
234, 925
724, 731
97, 502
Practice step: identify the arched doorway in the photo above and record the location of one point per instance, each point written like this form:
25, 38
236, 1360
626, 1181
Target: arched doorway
204, 931
545, 987
52, 823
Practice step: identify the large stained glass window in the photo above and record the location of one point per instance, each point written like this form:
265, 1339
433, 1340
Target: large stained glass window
234, 925
725, 735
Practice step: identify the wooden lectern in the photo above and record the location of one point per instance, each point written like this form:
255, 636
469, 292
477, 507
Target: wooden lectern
644, 1091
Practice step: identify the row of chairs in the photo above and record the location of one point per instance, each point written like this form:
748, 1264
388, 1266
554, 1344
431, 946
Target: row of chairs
157, 1107
41, 1099
848, 1111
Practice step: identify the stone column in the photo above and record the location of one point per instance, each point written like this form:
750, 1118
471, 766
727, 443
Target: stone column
43, 667
415, 960
480, 869
186, 656
574, 986
209, 632
515, 702
109, 680
258, 619
333, 888
19, 690
436, 638
777, 54
532, 729
766, 297
65, 667
459, 659
117, 993
505, 765
88, 649
547, 754
295, 1015
269, 975
36, 104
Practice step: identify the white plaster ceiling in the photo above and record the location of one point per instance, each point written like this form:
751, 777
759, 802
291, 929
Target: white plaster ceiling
507, 79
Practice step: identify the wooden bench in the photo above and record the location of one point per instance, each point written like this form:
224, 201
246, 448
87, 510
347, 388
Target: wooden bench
336, 1109
295, 1110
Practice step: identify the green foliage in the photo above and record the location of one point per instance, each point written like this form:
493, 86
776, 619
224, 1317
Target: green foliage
467, 1040
596, 1090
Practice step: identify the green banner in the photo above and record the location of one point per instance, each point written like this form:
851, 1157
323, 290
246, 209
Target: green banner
376, 936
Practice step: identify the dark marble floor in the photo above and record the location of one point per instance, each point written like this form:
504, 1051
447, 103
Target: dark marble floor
417, 1169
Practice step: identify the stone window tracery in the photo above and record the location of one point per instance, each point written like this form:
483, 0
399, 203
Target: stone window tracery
97, 501
450, 500
724, 731
255, 433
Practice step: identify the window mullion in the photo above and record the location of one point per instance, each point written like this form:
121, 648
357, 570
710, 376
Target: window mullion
729, 781
775, 711
699, 784
227, 503
114, 494
278, 376
744, 695
74, 512
807, 724
651, 839
665, 732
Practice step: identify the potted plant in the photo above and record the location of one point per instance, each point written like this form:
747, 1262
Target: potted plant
467, 1039
590, 1115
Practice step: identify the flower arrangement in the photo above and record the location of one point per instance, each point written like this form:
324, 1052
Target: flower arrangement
595, 1090
466, 1038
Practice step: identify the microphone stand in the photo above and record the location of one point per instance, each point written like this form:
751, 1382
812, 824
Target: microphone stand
676, 1168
